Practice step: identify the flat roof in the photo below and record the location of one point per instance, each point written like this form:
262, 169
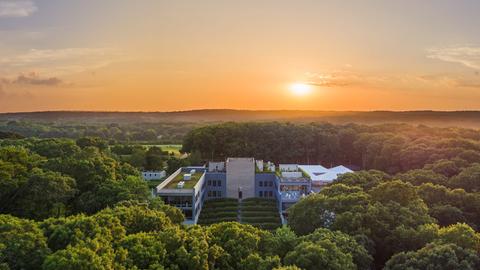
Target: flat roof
320, 173
189, 184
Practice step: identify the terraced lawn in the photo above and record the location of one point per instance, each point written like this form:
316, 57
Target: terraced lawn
260, 212
219, 210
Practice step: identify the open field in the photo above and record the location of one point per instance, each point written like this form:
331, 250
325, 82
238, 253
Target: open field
170, 148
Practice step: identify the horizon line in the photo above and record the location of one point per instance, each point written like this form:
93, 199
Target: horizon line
237, 110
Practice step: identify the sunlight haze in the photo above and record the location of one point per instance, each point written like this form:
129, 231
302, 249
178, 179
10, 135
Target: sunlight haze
178, 55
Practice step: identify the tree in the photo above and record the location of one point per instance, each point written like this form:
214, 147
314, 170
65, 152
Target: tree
468, 179
174, 164
363, 179
421, 176
282, 241
290, 267
461, 235
90, 255
74, 230
322, 254
447, 214
55, 148
435, 256
144, 251
345, 243
310, 213
22, 243
154, 159
92, 141
396, 191
138, 218
45, 194
255, 262
189, 249
238, 242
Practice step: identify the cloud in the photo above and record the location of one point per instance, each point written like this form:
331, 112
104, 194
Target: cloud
17, 8
58, 62
451, 80
342, 78
35, 80
32, 79
328, 79
466, 55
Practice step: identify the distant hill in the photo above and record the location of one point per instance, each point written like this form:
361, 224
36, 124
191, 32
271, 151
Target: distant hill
435, 118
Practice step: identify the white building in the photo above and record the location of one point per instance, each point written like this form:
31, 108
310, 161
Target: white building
321, 176
240, 178
153, 175
216, 166
288, 167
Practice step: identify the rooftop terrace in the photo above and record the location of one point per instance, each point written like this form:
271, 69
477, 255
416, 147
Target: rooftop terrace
189, 184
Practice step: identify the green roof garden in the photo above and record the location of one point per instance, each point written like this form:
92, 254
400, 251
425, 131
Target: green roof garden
189, 184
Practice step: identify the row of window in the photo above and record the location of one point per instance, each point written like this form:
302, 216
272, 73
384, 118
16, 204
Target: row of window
265, 183
268, 194
215, 183
214, 193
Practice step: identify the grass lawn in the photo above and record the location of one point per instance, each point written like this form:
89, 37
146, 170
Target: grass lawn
188, 184
170, 148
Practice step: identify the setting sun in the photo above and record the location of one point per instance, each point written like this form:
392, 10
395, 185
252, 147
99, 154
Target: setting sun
300, 89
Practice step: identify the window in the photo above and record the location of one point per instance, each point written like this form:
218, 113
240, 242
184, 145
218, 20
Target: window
260, 193
270, 184
214, 193
219, 183
219, 193
209, 193
214, 183
209, 183
270, 194
261, 183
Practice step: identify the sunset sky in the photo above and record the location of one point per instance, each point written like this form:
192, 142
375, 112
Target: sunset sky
152, 55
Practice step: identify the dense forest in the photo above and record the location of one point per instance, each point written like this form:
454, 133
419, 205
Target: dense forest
80, 204
468, 119
391, 148
159, 132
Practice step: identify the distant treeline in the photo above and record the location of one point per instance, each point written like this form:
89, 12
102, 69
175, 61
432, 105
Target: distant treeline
166, 132
391, 148
432, 118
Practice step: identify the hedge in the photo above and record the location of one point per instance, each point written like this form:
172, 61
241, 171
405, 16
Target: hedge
218, 214
259, 214
267, 226
220, 209
259, 209
215, 205
261, 219
255, 199
216, 220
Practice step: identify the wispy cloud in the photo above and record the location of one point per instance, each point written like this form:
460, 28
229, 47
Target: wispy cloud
468, 56
17, 8
334, 79
342, 78
56, 62
451, 80
31, 79
34, 79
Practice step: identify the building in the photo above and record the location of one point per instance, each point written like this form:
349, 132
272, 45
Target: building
242, 178
153, 175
